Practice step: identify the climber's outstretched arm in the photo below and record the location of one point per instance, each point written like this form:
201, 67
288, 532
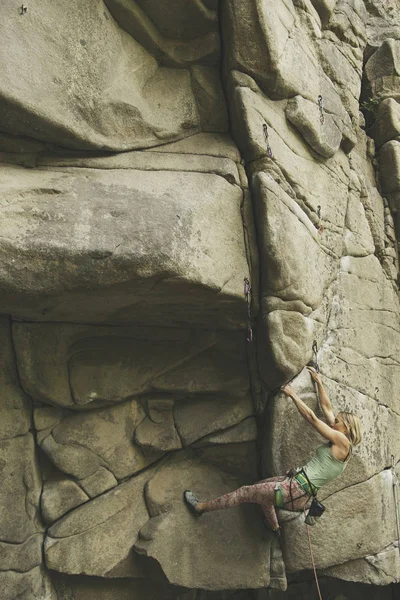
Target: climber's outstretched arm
323, 397
336, 437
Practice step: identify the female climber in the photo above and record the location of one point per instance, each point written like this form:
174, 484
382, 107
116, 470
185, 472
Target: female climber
295, 490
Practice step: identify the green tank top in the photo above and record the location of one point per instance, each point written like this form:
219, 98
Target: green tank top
324, 467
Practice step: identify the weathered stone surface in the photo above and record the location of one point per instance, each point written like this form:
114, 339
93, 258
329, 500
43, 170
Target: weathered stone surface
210, 99
387, 124
348, 22
99, 482
20, 482
343, 63
330, 587
59, 497
81, 366
383, 22
246, 431
370, 501
157, 431
116, 247
319, 129
14, 406
97, 447
293, 167
389, 164
369, 303
290, 278
21, 557
219, 368
291, 287
97, 538
198, 418
379, 569
383, 70
96, 588
94, 104
146, 161
358, 239
178, 21
324, 8
21, 575
175, 52
239, 460
137, 260
203, 556
35, 584
209, 144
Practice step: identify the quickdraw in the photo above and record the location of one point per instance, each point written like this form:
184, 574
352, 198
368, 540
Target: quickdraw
266, 136
395, 480
320, 226
23, 9
247, 294
315, 356
321, 109
376, 397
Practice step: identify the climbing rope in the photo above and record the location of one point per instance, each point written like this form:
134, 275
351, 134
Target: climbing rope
266, 136
396, 499
247, 294
312, 559
321, 110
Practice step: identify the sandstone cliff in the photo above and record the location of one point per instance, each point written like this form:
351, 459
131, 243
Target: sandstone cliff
157, 155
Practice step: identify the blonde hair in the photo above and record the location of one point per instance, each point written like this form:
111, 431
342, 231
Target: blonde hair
353, 425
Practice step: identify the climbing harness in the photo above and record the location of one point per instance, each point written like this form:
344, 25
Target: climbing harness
321, 110
396, 499
279, 502
266, 136
247, 294
305, 484
316, 508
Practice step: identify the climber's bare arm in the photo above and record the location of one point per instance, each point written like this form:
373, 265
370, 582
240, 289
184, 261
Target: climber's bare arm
336, 437
323, 397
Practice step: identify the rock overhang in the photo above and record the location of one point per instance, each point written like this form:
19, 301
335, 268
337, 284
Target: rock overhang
122, 246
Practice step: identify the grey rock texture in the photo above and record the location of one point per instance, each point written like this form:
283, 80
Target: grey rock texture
189, 198
241, 548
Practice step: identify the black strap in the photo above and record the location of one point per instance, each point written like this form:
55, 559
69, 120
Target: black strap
310, 485
291, 495
347, 455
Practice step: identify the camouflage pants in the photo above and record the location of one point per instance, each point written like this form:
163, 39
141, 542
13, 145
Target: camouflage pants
263, 493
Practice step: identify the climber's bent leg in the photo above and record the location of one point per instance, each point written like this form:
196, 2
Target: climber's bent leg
270, 515
260, 493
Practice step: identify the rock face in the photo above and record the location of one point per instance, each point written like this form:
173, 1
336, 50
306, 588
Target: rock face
190, 198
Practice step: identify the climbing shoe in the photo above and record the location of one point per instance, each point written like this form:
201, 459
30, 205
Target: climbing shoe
191, 502
276, 532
